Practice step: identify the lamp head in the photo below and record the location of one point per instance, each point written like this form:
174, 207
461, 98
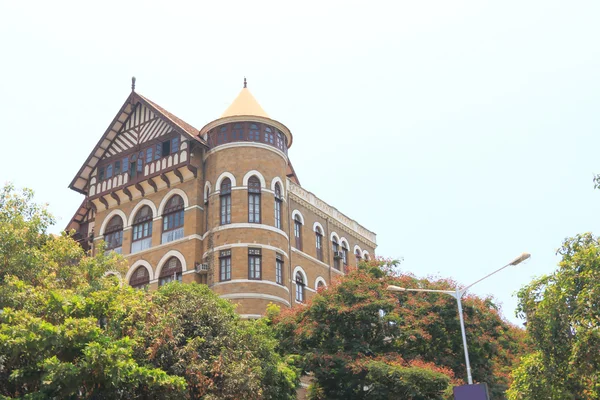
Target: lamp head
520, 259
393, 288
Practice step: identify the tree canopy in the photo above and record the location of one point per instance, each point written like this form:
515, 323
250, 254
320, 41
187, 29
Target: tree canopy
562, 310
69, 331
361, 341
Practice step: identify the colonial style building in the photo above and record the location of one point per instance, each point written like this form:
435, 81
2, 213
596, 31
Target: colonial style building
221, 205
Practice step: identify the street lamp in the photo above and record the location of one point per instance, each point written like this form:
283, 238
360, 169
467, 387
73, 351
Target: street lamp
458, 294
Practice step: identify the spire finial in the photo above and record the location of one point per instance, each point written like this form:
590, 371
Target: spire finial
245, 83
133, 83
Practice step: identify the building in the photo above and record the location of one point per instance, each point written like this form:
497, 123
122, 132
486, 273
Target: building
221, 205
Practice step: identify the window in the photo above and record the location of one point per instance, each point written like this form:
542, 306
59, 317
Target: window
140, 278
336, 253
222, 136
279, 268
225, 265
298, 232
319, 243
320, 285
170, 272
113, 235
225, 201
278, 201
117, 167
269, 137
299, 288
345, 254
173, 220
254, 200
206, 213
238, 132
101, 173
280, 140
142, 230
148, 155
254, 132
254, 257
140, 162
158, 151
125, 164
109, 171
175, 144
358, 257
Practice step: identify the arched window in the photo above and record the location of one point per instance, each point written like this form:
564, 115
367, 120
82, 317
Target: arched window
206, 207
173, 219
222, 136
278, 201
170, 272
254, 200
358, 256
113, 235
237, 132
320, 285
269, 137
319, 243
140, 278
298, 231
280, 140
142, 230
300, 287
337, 254
225, 201
344, 254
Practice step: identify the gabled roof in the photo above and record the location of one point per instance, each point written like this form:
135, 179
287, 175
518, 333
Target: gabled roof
245, 104
79, 183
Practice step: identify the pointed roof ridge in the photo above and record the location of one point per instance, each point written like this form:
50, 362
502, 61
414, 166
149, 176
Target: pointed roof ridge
245, 104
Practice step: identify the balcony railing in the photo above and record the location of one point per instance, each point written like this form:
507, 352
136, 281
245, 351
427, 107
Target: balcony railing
140, 245
172, 235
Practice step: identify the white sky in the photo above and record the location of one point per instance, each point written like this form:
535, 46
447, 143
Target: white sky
462, 132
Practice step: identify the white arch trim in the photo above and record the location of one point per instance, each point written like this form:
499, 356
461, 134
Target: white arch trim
168, 196
318, 225
357, 247
163, 260
207, 186
263, 183
281, 186
110, 216
223, 176
144, 202
299, 269
343, 241
135, 266
334, 235
319, 279
296, 212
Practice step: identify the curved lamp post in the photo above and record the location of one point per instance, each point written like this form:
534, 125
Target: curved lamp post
458, 294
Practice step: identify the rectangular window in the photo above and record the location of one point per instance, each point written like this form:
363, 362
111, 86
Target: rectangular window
225, 265
101, 174
254, 208
109, 170
319, 247
166, 148
132, 169
148, 154
298, 234
175, 144
158, 152
226, 209
140, 165
117, 167
277, 213
279, 269
254, 271
125, 164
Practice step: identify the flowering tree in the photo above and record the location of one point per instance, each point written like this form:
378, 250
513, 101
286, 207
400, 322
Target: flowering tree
361, 341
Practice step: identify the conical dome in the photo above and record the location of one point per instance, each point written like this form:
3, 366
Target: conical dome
245, 104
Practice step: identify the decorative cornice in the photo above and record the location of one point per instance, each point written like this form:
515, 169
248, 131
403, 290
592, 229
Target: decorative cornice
315, 204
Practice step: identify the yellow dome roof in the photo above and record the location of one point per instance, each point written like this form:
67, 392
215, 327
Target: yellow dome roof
245, 104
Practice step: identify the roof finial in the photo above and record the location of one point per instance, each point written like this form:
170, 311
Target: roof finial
245, 83
133, 83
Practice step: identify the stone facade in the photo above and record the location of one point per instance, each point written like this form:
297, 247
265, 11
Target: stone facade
227, 182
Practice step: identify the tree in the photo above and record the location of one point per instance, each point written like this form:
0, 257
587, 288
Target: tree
69, 331
361, 341
563, 323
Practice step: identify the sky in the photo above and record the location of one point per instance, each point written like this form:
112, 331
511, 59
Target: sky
462, 132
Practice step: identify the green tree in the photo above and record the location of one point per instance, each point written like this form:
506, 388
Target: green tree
361, 341
563, 323
69, 331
